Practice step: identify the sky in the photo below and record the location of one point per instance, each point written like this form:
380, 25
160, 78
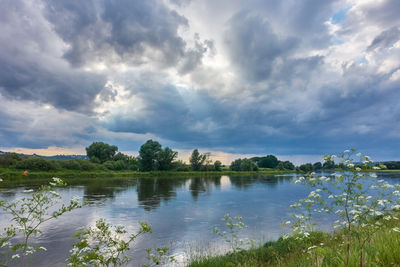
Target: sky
297, 79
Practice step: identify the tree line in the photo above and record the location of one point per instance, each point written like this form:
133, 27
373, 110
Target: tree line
153, 157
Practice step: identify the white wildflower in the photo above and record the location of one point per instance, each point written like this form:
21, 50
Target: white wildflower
28, 191
15, 256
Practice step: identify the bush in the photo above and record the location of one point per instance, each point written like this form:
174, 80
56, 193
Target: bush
37, 164
86, 165
9, 159
243, 165
71, 164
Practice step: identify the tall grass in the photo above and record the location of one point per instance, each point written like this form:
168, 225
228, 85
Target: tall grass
382, 250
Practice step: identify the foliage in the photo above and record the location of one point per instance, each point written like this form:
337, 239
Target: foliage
328, 164
9, 159
165, 159
217, 165
158, 256
317, 166
197, 160
243, 165
269, 161
360, 202
29, 213
393, 165
285, 165
308, 167
104, 245
37, 164
234, 225
181, 166
99, 151
148, 154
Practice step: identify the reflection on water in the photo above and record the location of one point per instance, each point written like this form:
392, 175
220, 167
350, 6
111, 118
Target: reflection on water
181, 211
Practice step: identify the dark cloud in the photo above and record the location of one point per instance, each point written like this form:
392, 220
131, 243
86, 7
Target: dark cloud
30, 67
67, 90
382, 13
386, 39
254, 46
131, 32
277, 86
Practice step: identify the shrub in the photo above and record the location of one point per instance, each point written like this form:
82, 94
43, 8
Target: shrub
37, 164
86, 165
9, 159
71, 164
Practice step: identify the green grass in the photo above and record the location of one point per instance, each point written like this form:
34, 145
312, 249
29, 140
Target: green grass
14, 176
382, 250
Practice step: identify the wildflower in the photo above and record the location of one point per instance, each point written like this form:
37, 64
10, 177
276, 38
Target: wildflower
15, 256
28, 191
396, 229
25, 173
311, 247
1, 180
43, 248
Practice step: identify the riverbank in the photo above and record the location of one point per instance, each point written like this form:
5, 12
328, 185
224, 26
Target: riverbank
319, 249
10, 175
13, 175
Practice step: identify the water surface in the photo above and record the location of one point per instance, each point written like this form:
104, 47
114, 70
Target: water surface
181, 211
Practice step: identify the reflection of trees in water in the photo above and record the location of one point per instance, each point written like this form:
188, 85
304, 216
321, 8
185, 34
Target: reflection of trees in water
151, 191
242, 182
202, 185
245, 182
103, 189
7, 193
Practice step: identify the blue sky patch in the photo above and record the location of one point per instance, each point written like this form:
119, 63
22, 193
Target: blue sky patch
340, 16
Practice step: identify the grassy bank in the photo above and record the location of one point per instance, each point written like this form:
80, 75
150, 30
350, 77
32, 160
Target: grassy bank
8, 174
382, 250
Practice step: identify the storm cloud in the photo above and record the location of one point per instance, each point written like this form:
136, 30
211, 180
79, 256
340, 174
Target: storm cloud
284, 77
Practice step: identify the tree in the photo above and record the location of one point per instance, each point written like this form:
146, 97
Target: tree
148, 155
243, 165
308, 167
197, 160
285, 165
329, 164
317, 166
217, 165
165, 159
248, 165
235, 165
269, 161
101, 151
